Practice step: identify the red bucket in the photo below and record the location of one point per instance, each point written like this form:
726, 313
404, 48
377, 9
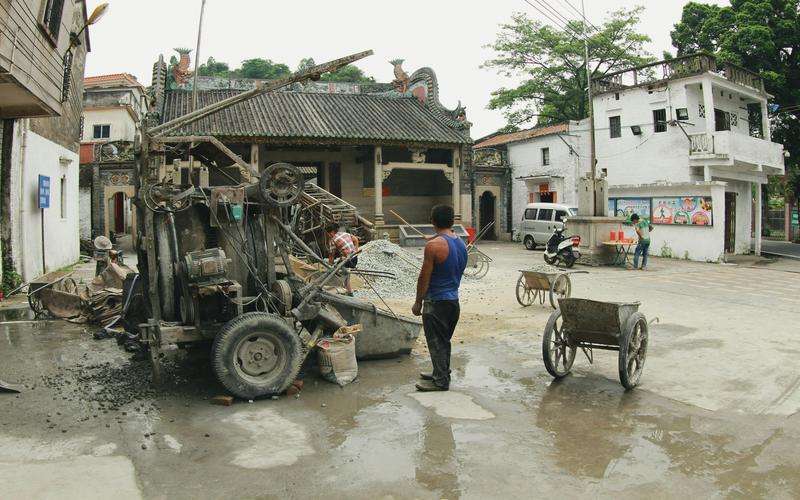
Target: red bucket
471, 234
613, 236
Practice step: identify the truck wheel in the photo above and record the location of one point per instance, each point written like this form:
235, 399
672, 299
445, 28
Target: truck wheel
256, 354
530, 244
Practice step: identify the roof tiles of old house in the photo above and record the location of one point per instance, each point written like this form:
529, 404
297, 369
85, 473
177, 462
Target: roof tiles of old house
113, 80
315, 116
522, 135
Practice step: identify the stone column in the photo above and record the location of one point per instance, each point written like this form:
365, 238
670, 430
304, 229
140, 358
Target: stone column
378, 163
757, 217
708, 103
765, 129
457, 184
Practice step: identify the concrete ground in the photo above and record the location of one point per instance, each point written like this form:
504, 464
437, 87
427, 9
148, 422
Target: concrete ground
785, 249
716, 413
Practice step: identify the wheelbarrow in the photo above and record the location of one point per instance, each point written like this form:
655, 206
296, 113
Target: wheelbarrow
588, 325
478, 262
63, 284
533, 286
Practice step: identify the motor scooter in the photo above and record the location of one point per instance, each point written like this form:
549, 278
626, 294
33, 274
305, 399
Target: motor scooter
562, 249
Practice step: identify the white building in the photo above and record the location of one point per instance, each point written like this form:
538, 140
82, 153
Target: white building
41, 75
687, 143
681, 142
114, 107
546, 163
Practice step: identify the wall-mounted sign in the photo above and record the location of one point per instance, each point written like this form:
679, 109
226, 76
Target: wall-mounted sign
44, 191
685, 210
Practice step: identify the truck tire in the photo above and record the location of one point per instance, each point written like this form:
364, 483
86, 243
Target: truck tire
255, 355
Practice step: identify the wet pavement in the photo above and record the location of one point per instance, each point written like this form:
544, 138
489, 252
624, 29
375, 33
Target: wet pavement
716, 413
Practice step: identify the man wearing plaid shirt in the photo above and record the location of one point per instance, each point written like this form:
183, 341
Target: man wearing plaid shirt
342, 245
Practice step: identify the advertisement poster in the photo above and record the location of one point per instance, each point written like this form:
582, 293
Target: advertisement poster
685, 210
625, 207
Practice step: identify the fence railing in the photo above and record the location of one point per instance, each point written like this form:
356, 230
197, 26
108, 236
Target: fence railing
701, 144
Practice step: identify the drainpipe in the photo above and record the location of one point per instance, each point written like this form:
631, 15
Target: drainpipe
17, 231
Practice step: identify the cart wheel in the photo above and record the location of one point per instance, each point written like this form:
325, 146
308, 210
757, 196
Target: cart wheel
256, 354
479, 269
558, 355
633, 350
36, 304
525, 296
530, 243
560, 288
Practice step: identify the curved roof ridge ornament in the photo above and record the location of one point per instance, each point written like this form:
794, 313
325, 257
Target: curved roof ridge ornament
424, 85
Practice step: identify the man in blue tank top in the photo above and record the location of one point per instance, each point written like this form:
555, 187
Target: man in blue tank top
437, 296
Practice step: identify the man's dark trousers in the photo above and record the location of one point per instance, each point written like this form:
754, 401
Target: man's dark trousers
439, 320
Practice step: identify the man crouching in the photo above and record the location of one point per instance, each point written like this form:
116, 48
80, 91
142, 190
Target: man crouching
437, 296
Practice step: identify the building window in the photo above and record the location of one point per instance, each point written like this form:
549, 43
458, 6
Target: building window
545, 156
102, 132
51, 19
701, 110
63, 196
660, 120
615, 126
722, 120
682, 114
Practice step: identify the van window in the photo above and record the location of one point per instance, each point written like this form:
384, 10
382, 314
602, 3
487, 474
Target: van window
530, 214
545, 214
561, 215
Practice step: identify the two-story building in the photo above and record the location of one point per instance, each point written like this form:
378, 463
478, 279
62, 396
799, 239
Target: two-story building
43, 46
686, 144
114, 107
545, 162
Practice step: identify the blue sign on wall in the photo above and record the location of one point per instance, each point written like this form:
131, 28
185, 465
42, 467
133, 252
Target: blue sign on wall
44, 191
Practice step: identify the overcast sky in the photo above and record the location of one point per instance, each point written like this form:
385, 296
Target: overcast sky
447, 35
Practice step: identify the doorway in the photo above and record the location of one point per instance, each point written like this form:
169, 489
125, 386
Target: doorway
335, 179
486, 214
730, 222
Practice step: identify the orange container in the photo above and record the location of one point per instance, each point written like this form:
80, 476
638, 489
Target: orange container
621, 235
613, 236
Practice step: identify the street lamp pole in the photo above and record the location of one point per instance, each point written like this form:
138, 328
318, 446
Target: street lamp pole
592, 151
197, 56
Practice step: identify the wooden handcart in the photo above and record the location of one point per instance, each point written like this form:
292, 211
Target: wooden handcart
533, 286
588, 325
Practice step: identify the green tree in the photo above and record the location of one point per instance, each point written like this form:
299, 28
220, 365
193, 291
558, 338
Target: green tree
349, 73
214, 68
763, 36
550, 63
262, 69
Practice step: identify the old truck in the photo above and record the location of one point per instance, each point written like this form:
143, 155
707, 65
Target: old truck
216, 251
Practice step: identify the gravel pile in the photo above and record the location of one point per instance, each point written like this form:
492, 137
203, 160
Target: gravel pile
544, 268
383, 255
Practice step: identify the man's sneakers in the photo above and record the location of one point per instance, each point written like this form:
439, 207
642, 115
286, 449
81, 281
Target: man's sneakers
429, 386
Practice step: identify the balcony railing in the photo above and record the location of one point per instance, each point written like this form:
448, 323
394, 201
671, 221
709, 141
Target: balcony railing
679, 67
731, 147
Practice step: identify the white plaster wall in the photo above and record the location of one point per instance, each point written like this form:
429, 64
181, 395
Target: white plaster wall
38, 155
123, 128
525, 159
699, 243
85, 208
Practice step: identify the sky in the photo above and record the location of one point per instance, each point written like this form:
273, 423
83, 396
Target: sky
447, 35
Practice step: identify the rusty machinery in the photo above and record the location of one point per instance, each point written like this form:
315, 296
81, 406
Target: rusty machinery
214, 255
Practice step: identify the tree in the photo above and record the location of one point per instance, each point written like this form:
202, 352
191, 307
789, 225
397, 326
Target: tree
762, 36
347, 73
214, 68
262, 69
550, 62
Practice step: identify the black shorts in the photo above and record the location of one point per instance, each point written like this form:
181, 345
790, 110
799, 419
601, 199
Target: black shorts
352, 263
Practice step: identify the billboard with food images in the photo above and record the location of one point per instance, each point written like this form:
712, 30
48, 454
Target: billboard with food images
683, 210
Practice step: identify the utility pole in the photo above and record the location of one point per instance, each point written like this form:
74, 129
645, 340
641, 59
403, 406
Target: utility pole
197, 56
593, 153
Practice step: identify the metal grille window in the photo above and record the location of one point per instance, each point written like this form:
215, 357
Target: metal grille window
660, 120
615, 126
51, 20
67, 82
545, 156
682, 114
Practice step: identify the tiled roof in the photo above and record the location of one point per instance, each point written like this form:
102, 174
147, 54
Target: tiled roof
522, 135
113, 80
297, 115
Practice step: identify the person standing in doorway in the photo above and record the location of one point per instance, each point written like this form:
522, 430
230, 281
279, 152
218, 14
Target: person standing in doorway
437, 296
643, 229
343, 245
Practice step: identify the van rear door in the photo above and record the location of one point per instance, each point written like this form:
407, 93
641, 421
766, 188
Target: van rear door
529, 220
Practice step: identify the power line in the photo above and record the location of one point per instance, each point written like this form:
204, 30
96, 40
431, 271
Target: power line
565, 28
580, 14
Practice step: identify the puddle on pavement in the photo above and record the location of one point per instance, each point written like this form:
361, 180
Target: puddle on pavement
452, 404
273, 441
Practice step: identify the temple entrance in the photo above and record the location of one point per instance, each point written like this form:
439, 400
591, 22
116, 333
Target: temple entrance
486, 214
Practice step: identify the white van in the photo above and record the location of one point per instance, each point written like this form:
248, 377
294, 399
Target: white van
540, 220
